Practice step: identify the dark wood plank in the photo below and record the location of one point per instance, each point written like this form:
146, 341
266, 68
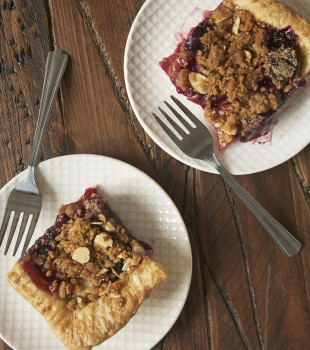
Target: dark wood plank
101, 16
93, 95
273, 276
222, 255
24, 45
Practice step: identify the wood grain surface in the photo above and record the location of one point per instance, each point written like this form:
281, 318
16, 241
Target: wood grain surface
244, 293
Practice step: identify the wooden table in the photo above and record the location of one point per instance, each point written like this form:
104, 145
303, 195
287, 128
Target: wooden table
245, 294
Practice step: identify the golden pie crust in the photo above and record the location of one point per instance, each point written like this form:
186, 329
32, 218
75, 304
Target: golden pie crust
98, 321
78, 326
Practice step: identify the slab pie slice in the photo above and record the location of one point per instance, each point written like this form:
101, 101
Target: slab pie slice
87, 275
241, 64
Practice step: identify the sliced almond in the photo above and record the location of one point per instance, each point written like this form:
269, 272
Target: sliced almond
235, 28
81, 255
103, 240
199, 82
102, 271
127, 264
102, 217
138, 250
109, 227
247, 54
218, 124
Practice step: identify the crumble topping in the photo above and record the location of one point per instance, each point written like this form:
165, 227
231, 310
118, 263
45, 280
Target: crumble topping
281, 66
239, 72
82, 256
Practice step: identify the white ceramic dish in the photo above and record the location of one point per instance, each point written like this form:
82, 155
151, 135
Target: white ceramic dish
144, 208
153, 36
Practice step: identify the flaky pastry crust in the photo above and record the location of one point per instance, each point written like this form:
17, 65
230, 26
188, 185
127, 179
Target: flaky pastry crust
84, 328
281, 16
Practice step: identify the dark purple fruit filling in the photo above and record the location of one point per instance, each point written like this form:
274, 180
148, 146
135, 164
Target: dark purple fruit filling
193, 42
43, 244
282, 37
87, 194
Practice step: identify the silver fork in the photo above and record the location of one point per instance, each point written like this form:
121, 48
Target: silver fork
26, 197
198, 144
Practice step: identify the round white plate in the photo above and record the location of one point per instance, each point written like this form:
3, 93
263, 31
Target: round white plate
154, 35
144, 208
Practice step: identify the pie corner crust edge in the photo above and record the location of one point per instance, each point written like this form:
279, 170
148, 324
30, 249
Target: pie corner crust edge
85, 328
280, 16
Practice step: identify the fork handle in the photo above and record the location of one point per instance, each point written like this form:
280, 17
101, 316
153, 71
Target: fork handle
285, 241
55, 68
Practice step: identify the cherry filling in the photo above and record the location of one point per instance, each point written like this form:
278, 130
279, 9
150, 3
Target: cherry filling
87, 194
175, 62
283, 52
38, 277
193, 42
282, 37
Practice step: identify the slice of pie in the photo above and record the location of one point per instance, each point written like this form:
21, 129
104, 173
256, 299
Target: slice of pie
87, 275
242, 63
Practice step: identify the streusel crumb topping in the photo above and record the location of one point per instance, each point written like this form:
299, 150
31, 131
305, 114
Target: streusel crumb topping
231, 68
83, 256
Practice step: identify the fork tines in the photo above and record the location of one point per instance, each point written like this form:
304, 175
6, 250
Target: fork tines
28, 216
185, 125
181, 127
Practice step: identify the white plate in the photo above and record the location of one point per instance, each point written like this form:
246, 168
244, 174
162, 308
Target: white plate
144, 208
153, 37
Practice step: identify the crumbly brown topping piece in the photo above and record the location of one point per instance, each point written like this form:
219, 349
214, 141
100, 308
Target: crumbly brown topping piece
281, 66
84, 257
232, 65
